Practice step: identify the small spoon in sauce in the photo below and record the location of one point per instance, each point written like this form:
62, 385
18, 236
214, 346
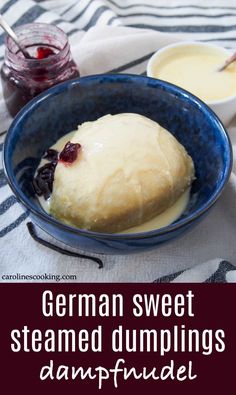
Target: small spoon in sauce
14, 37
228, 61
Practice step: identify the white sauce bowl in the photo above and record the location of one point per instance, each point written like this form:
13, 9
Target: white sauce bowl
225, 108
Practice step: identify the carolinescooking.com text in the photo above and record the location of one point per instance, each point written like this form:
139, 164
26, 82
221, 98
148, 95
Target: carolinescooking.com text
38, 277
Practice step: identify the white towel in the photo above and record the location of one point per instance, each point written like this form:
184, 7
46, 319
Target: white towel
101, 43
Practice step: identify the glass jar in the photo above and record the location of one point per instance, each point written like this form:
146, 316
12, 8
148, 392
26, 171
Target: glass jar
50, 63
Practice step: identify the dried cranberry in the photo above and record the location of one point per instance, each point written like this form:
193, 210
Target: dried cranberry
70, 152
51, 154
44, 52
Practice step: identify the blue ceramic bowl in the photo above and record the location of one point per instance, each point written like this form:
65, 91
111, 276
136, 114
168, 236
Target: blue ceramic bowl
61, 108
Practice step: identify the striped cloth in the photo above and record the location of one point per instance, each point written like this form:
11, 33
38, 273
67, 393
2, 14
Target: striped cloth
120, 36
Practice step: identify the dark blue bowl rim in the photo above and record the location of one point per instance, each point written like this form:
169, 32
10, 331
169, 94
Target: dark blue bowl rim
123, 78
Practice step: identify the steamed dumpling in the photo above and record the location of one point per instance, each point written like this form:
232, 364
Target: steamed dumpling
129, 169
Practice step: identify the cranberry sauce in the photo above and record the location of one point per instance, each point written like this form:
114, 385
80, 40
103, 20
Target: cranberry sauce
18, 89
43, 181
51, 155
50, 64
44, 52
69, 153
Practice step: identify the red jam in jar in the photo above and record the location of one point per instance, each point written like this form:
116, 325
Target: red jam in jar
50, 63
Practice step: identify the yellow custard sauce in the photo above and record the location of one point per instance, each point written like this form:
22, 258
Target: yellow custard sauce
164, 219
195, 69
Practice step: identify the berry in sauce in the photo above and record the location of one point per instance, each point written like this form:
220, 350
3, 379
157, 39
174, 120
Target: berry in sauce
43, 182
51, 155
70, 152
44, 52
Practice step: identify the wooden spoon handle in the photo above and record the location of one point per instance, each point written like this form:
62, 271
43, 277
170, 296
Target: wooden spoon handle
228, 62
